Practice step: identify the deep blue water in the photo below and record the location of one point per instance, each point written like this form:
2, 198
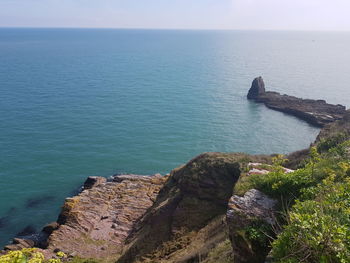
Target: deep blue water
76, 103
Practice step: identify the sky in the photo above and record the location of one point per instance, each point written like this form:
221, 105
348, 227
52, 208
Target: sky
178, 14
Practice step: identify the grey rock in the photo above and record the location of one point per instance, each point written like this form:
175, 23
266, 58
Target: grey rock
253, 210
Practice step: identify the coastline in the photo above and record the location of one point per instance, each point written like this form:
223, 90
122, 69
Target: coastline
193, 197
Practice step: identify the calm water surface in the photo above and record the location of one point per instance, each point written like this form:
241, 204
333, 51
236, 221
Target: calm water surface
76, 103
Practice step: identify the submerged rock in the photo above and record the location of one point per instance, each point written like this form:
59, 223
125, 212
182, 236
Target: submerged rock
39, 201
27, 231
315, 112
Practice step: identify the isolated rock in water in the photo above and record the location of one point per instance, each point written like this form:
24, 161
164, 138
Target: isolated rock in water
315, 112
95, 223
257, 89
249, 218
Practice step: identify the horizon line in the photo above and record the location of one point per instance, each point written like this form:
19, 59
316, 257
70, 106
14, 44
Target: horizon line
179, 29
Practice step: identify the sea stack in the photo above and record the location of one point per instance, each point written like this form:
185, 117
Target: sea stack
315, 112
257, 89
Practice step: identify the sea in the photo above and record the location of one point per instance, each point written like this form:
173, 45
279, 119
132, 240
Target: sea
97, 102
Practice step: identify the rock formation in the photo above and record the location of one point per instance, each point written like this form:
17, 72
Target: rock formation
96, 223
194, 195
315, 112
257, 89
177, 218
253, 210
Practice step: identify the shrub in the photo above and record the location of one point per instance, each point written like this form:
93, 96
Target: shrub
331, 142
29, 255
318, 230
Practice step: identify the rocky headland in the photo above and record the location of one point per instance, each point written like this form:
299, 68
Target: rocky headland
194, 214
315, 112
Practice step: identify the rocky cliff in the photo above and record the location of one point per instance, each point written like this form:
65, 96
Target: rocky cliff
194, 197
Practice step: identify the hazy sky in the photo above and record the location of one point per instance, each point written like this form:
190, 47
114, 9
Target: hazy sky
191, 14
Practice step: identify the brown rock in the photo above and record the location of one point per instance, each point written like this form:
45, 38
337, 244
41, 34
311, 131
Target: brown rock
19, 243
194, 195
95, 223
24, 242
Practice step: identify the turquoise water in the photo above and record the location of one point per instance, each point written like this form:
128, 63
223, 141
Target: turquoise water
76, 103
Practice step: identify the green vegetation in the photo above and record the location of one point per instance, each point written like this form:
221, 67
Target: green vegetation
83, 260
317, 200
258, 232
222, 253
30, 255
326, 144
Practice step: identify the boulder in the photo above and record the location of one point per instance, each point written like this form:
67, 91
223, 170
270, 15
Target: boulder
249, 219
93, 181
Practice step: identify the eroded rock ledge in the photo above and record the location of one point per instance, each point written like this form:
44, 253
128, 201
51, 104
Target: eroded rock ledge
96, 223
316, 112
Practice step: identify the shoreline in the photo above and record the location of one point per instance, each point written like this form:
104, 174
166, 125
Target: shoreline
91, 215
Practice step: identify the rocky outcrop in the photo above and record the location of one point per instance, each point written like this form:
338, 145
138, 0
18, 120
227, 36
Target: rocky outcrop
332, 130
330, 135
249, 219
19, 243
95, 223
191, 199
92, 181
176, 218
316, 112
194, 194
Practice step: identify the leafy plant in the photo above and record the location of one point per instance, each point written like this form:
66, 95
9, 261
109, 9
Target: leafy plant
317, 226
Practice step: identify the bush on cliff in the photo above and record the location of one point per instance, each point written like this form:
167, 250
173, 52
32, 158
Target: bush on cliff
29, 255
318, 230
32, 255
298, 184
317, 226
